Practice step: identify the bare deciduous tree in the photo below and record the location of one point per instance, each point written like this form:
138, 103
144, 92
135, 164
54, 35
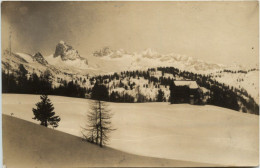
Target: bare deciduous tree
98, 124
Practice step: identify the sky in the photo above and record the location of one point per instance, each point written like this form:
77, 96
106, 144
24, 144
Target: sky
221, 32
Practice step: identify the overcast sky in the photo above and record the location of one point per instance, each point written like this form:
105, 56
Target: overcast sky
222, 32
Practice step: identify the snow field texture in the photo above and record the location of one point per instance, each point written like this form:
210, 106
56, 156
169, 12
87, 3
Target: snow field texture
206, 134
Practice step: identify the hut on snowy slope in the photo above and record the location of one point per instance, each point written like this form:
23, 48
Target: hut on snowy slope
185, 91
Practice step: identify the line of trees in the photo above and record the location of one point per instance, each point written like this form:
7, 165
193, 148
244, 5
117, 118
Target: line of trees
20, 82
220, 94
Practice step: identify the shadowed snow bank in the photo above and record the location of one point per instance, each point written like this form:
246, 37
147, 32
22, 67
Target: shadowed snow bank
26, 144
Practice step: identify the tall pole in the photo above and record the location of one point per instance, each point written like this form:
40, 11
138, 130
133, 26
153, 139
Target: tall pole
10, 43
10, 54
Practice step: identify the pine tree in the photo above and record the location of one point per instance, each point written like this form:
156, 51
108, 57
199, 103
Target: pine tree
99, 92
44, 112
160, 96
22, 79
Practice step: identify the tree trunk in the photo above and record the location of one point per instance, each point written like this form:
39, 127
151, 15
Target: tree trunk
97, 128
92, 137
100, 125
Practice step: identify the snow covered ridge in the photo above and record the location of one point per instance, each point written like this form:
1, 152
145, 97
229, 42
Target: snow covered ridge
245, 80
68, 64
40, 59
65, 59
150, 58
107, 52
28, 58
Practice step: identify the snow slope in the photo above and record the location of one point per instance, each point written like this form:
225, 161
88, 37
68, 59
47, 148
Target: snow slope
21, 58
27, 57
69, 64
206, 134
37, 146
248, 81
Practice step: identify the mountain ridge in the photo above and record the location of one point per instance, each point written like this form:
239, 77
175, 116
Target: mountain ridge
108, 61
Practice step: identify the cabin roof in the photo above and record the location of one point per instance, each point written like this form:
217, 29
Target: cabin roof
189, 83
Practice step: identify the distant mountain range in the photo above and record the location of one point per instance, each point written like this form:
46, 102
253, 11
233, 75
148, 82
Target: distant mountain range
66, 63
67, 59
64, 60
150, 58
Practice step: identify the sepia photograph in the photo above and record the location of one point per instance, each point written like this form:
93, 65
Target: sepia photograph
130, 84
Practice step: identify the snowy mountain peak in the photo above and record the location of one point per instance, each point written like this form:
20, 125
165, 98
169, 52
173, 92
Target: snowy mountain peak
62, 42
149, 51
67, 52
151, 58
105, 51
66, 57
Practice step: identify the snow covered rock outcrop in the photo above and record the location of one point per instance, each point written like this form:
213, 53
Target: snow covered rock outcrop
39, 58
107, 52
150, 53
102, 52
67, 52
66, 57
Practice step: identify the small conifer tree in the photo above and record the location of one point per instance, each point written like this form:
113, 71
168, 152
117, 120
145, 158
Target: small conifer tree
44, 112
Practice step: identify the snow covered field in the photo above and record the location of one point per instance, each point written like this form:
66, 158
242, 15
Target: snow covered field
206, 134
36, 146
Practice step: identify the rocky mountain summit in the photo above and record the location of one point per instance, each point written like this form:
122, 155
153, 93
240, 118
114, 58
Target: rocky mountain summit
67, 52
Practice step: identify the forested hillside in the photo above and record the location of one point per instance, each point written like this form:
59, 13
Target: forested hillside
151, 85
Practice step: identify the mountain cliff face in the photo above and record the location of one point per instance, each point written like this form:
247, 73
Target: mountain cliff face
39, 58
67, 52
67, 58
